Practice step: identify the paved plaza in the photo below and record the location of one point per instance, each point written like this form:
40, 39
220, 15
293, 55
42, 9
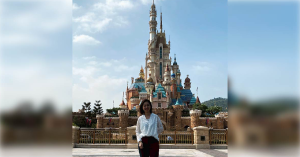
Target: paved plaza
94, 152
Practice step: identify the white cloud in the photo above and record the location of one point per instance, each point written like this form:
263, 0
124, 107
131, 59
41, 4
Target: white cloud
85, 39
103, 14
92, 23
104, 88
93, 63
112, 5
202, 66
146, 2
89, 57
75, 6
87, 71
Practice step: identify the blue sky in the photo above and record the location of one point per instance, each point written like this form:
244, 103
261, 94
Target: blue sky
263, 47
40, 62
110, 43
36, 53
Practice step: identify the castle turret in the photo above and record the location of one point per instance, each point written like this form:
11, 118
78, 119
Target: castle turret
195, 114
187, 83
167, 79
175, 66
123, 118
152, 22
99, 118
149, 85
178, 73
174, 88
141, 73
178, 107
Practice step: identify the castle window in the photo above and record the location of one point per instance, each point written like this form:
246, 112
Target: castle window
160, 52
159, 105
160, 69
159, 95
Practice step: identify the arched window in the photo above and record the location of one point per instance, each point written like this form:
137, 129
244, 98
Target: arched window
160, 69
160, 52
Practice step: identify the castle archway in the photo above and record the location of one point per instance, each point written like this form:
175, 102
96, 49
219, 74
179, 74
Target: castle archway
185, 128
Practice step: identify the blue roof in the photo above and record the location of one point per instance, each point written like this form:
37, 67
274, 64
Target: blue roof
138, 85
139, 79
161, 89
134, 108
180, 85
175, 63
193, 100
178, 102
173, 75
186, 95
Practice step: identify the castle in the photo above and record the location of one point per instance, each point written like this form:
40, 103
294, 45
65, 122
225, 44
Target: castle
161, 82
163, 89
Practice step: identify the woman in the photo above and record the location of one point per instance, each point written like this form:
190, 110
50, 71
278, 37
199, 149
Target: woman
147, 129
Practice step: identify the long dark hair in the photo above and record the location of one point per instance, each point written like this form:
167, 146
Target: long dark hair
142, 104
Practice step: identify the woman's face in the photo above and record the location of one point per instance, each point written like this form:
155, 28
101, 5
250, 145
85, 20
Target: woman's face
146, 107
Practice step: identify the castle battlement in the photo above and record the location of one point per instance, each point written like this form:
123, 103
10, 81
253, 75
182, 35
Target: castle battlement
195, 112
123, 112
99, 115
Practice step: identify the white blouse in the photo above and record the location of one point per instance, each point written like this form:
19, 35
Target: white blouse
148, 127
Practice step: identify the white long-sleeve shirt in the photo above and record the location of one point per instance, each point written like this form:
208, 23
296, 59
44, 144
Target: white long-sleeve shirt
148, 127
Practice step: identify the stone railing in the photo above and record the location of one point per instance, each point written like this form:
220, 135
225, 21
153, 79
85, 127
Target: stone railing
199, 137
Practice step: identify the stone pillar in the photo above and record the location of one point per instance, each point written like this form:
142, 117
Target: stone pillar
75, 131
169, 120
123, 118
99, 120
201, 137
138, 110
195, 114
131, 138
220, 123
178, 112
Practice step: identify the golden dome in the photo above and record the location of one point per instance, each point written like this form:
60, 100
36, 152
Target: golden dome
150, 79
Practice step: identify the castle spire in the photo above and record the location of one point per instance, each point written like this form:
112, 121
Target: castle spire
160, 22
152, 22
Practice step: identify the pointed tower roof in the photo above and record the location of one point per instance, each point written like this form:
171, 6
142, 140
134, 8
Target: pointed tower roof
178, 102
193, 100
174, 63
160, 22
197, 100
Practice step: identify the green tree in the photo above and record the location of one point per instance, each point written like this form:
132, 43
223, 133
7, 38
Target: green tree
201, 107
87, 107
213, 110
97, 108
113, 111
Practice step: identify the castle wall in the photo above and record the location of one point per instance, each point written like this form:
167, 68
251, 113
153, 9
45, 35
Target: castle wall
216, 123
132, 121
185, 121
114, 120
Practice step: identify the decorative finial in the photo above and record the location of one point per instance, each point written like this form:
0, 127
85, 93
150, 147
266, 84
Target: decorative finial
187, 76
197, 91
160, 21
153, 2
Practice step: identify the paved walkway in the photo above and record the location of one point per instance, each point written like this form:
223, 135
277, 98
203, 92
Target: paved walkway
94, 152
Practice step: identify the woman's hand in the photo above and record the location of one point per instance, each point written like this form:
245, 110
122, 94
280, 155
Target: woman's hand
141, 145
